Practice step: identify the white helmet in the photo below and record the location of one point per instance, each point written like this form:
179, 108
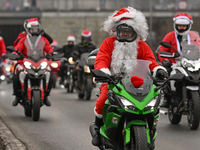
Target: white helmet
182, 19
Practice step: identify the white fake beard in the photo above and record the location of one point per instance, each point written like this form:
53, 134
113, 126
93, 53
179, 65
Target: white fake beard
122, 51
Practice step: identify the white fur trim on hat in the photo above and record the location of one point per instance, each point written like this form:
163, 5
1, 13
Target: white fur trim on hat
137, 21
96, 114
106, 70
71, 38
156, 69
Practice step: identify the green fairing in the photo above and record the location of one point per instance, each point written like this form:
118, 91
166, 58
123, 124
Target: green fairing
140, 105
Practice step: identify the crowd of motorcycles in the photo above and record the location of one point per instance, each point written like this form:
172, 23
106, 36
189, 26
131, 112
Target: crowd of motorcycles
130, 114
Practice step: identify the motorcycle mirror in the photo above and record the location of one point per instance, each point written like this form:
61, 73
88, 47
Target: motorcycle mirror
177, 76
10, 48
57, 49
165, 44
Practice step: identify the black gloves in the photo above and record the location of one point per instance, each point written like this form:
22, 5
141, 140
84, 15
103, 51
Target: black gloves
161, 74
167, 63
4, 56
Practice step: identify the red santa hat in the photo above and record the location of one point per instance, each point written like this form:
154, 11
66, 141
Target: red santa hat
71, 38
183, 18
86, 33
32, 22
129, 16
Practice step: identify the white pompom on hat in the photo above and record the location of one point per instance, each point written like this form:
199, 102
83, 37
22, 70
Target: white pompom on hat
129, 16
71, 38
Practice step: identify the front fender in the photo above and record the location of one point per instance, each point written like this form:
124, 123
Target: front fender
127, 130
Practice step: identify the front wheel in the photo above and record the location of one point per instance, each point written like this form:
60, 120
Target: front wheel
138, 138
194, 111
88, 88
36, 105
173, 117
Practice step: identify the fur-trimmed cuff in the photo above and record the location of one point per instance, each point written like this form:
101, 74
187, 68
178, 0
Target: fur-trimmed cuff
98, 115
156, 69
106, 70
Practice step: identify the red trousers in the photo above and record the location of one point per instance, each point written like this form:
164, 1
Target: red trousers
101, 100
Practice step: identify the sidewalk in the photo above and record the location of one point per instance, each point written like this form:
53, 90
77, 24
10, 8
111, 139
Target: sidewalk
8, 141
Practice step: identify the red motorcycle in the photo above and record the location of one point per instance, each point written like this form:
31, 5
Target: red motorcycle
55, 68
34, 77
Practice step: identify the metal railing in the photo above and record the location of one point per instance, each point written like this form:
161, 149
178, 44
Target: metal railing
97, 5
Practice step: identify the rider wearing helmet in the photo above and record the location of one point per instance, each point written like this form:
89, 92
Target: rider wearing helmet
85, 45
33, 28
182, 25
67, 53
130, 29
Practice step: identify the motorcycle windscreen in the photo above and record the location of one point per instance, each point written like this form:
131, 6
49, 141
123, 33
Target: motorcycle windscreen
35, 47
83, 59
191, 46
139, 68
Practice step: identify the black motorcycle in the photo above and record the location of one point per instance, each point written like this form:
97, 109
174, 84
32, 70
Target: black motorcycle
84, 82
184, 94
69, 66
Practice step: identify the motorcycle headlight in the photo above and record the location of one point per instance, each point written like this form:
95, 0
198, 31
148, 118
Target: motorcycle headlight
70, 60
127, 104
7, 69
54, 65
27, 65
151, 104
43, 65
87, 69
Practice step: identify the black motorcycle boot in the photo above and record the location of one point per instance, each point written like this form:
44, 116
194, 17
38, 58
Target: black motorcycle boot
46, 101
16, 100
94, 130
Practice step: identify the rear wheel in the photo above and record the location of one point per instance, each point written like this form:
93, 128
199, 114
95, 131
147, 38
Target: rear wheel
36, 105
194, 111
138, 138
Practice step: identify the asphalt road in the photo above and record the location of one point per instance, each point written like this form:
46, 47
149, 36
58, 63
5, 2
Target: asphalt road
65, 125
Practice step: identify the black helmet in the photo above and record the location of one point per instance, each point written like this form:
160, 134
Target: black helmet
86, 37
32, 27
125, 33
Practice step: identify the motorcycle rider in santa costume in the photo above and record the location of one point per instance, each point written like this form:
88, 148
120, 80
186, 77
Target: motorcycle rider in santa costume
33, 28
182, 26
130, 29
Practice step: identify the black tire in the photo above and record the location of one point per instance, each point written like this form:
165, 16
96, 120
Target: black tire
36, 105
138, 138
80, 95
193, 115
173, 117
88, 89
54, 80
71, 84
27, 112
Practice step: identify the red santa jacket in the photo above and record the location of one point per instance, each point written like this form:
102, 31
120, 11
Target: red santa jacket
103, 59
20, 36
173, 41
2, 47
22, 48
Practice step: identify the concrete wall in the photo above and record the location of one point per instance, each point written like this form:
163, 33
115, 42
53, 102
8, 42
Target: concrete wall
61, 24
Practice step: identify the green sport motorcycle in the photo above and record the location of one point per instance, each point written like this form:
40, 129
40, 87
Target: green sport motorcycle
131, 112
